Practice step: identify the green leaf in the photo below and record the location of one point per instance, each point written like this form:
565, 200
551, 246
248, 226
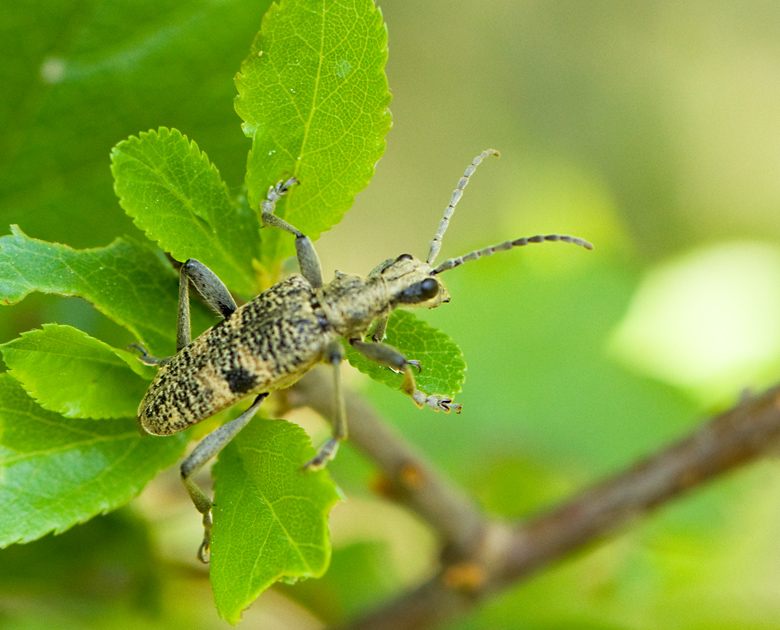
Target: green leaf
67, 371
177, 197
270, 515
57, 472
314, 97
119, 544
129, 282
443, 367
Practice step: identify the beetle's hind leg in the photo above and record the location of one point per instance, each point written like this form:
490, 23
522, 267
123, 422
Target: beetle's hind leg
387, 355
207, 448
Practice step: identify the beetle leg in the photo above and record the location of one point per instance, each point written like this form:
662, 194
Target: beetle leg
334, 354
308, 261
378, 334
207, 448
386, 355
210, 287
146, 358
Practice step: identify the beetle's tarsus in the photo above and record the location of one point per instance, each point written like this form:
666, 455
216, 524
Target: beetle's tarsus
446, 405
146, 358
327, 452
435, 402
204, 551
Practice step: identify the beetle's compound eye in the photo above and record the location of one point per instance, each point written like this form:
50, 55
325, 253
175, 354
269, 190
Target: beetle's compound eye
404, 257
429, 288
419, 292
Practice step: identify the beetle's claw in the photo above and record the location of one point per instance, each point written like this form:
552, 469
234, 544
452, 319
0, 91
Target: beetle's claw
416, 364
204, 551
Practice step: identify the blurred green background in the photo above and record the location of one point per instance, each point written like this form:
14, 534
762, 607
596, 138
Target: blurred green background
651, 129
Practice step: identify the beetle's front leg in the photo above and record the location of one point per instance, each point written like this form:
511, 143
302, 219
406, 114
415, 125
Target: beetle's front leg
333, 355
386, 355
380, 329
207, 448
308, 261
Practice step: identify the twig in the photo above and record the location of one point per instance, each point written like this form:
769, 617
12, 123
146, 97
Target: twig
497, 556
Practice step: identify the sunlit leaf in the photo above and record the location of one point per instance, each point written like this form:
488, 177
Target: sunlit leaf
177, 197
129, 282
57, 471
270, 515
443, 369
69, 372
314, 96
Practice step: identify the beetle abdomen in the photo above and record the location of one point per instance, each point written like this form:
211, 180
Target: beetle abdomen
267, 344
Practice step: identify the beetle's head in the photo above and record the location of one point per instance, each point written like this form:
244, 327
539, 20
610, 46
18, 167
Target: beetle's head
410, 282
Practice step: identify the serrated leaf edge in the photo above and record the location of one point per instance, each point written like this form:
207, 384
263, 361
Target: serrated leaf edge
163, 133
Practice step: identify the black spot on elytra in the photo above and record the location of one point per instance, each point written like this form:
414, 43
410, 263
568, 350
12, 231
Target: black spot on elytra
240, 380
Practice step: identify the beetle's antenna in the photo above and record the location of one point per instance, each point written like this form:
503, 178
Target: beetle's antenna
456, 195
520, 242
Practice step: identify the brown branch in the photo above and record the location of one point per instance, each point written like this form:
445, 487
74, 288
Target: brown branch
494, 556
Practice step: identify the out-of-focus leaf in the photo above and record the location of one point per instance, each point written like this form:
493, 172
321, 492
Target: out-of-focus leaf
77, 77
442, 364
270, 515
69, 372
177, 197
57, 472
111, 558
314, 96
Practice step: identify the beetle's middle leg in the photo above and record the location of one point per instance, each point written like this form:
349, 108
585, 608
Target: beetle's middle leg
207, 448
334, 354
308, 261
387, 355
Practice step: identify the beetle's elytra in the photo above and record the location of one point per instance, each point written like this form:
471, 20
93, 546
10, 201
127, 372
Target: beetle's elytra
266, 344
270, 342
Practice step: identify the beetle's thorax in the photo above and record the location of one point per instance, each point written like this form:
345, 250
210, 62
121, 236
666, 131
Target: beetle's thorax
352, 303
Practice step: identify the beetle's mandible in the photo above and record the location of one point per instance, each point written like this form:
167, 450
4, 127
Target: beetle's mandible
270, 342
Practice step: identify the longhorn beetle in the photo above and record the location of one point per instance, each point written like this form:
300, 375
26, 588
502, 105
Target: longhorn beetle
270, 342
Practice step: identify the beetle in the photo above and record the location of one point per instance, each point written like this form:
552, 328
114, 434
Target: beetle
273, 340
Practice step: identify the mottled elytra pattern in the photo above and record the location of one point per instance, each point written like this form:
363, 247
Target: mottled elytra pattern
240, 380
265, 345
